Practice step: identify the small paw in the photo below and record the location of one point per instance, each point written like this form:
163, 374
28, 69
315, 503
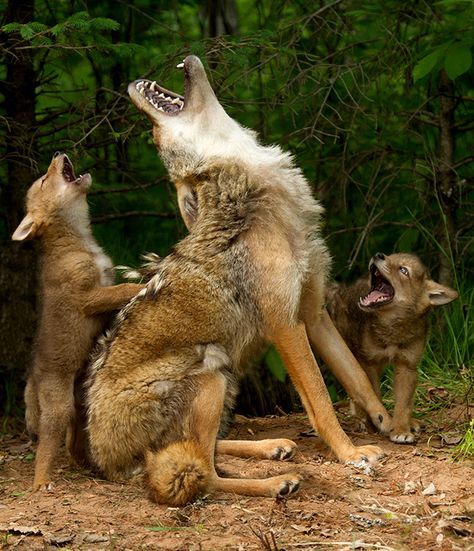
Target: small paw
289, 485
363, 455
402, 436
283, 450
404, 433
415, 426
45, 487
382, 422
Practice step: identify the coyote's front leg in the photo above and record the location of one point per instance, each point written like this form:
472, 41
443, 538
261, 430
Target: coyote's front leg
335, 353
293, 346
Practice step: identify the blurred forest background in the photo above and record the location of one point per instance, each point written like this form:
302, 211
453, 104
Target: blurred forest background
374, 98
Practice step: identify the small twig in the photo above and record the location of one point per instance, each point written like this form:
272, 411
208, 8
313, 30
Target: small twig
350, 544
268, 542
131, 214
106, 191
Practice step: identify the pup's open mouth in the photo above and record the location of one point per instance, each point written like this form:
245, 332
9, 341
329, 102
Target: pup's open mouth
160, 98
70, 176
381, 291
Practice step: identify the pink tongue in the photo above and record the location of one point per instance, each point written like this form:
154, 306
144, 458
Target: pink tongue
373, 296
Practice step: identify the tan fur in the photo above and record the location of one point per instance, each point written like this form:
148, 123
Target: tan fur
75, 291
253, 268
185, 458
390, 332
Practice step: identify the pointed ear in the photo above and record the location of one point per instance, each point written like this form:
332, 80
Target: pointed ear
26, 230
439, 294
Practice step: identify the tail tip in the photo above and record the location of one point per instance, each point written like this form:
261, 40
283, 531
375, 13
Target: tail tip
177, 474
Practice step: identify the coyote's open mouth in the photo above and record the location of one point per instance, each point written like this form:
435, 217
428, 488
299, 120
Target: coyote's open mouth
381, 290
68, 171
160, 98
83, 180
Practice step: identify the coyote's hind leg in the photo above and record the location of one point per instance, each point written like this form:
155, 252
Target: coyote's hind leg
205, 420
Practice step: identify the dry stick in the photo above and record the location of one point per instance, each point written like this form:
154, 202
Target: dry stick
350, 544
131, 214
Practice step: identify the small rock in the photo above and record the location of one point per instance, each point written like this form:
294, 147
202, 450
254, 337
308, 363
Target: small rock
410, 487
430, 490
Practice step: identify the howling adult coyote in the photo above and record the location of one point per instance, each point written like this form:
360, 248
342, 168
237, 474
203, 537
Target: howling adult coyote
253, 267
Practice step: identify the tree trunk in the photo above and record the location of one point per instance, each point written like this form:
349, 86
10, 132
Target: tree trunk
445, 181
18, 262
220, 17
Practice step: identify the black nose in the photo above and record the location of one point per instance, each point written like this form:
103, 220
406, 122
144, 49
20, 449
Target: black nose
379, 256
56, 154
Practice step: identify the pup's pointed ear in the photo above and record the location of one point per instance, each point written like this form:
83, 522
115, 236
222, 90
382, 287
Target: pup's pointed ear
26, 229
439, 294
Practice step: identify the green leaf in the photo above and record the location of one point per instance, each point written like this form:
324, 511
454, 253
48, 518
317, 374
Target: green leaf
458, 60
275, 365
26, 32
10, 28
426, 64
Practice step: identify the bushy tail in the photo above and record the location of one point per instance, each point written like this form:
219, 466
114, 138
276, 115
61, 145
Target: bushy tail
177, 474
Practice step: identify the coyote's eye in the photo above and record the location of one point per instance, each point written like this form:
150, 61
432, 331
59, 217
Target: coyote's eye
404, 271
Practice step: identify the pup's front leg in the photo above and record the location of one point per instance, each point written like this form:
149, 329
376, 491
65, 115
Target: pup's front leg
404, 428
113, 297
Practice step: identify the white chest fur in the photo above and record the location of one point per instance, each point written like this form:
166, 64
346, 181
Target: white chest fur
102, 261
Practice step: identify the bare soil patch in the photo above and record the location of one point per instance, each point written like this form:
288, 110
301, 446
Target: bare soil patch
415, 498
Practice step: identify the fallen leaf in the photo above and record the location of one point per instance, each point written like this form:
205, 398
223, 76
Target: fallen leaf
15, 528
95, 538
58, 539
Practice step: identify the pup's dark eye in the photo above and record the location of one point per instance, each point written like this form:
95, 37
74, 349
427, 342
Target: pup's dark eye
404, 271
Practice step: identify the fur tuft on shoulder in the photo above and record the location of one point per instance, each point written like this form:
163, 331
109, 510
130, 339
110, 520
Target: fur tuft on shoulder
177, 474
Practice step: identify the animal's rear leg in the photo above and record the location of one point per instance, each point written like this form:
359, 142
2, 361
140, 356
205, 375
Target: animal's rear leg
274, 448
32, 411
204, 424
77, 440
57, 408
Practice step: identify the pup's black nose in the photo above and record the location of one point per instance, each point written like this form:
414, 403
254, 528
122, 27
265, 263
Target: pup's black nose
379, 256
56, 154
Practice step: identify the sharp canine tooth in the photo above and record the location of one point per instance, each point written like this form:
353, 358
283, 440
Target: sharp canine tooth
180, 65
153, 86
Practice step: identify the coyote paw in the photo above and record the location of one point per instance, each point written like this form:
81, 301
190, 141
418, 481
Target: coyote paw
289, 484
362, 456
44, 487
382, 422
402, 434
282, 449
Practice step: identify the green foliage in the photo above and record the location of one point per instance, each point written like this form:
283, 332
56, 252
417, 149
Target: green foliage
275, 364
79, 29
454, 56
352, 89
465, 449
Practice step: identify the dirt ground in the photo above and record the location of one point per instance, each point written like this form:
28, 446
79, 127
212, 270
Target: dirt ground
415, 498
